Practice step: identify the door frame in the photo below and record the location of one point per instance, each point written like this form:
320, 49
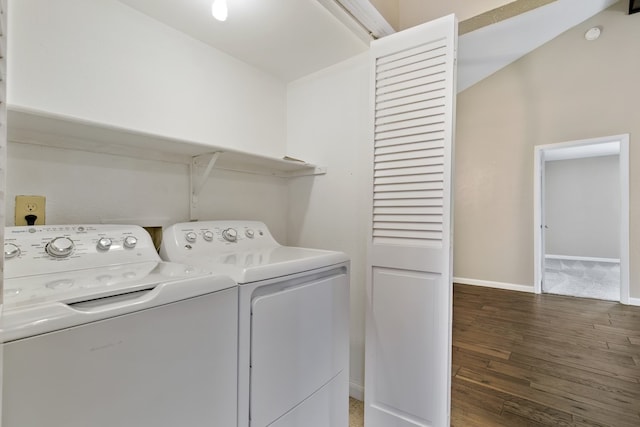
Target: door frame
541, 152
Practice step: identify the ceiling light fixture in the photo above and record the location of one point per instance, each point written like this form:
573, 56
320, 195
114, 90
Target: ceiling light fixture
219, 10
593, 33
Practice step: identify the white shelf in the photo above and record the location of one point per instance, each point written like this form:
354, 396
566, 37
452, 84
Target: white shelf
28, 126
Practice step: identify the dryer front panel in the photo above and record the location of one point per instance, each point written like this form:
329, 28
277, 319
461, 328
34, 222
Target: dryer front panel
299, 343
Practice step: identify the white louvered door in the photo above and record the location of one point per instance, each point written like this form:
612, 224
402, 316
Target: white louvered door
409, 271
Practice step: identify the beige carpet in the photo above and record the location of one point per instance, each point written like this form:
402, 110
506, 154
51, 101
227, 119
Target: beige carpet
356, 413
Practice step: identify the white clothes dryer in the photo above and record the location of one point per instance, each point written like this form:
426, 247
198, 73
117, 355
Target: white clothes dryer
97, 331
293, 320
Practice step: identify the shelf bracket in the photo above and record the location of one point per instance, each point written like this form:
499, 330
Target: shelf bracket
200, 168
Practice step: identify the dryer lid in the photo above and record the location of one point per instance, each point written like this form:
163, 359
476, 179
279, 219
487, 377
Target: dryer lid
268, 263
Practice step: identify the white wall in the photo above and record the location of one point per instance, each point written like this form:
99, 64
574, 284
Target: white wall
582, 207
83, 187
327, 121
101, 60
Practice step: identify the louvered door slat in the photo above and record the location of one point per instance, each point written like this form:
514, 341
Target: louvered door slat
403, 179
408, 101
411, 123
414, 146
399, 195
426, 211
409, 163
414, 235
422, 61
405, 89
408, 218
417, 130
420, 170
410, 186
395, 82
409, 139
431, 179
422, 107
413, 154
436, 110
407, 202
402, 225
431, 49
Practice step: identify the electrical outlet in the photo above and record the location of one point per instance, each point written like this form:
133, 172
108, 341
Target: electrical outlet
30, 205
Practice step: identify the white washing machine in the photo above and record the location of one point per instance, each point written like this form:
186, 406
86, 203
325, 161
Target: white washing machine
293, 320
98, 331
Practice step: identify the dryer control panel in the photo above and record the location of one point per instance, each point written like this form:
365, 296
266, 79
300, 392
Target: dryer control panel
208, 237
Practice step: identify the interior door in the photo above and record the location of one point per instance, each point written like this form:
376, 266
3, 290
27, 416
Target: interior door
409, 271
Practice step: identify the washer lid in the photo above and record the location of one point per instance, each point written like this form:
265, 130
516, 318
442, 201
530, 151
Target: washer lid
267, 263
49, 302
81, 285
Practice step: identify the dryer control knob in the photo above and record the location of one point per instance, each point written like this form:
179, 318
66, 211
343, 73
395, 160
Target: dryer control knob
191, 237
11, 250
130, 242
60, 247
208, 235
104, 244
230, 235
249, 233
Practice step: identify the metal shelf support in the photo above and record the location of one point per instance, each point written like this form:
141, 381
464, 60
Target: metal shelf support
200, 169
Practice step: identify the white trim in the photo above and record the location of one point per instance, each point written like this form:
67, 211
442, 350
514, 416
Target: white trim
538, 191
625, 259
634, 301
491, 284
356, 391
583, 258
538, 235
362, 18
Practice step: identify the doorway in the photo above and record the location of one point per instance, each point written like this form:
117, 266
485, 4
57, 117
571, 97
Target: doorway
581, 218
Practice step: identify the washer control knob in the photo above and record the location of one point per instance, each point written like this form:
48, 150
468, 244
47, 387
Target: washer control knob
230, 235
104, 244
11, 250
191, 237
60, 247
249, 233
208, 235
130, 242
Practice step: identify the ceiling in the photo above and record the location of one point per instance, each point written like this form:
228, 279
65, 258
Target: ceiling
286, 38
294, 38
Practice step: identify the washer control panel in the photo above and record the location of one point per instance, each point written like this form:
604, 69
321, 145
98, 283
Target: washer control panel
45, 249
212, 237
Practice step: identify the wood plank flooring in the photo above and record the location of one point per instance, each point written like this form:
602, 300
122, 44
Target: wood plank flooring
522, 359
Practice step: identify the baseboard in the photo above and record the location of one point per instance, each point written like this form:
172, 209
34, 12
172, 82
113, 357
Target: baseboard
634, 301
583, 258
356, 391
490, 284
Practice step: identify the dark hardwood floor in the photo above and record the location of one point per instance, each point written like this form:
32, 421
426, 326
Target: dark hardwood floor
522, 359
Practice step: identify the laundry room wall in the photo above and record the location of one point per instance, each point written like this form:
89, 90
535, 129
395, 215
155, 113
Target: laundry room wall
567, 90
82, 187
327, 121
582, 207
103, 61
